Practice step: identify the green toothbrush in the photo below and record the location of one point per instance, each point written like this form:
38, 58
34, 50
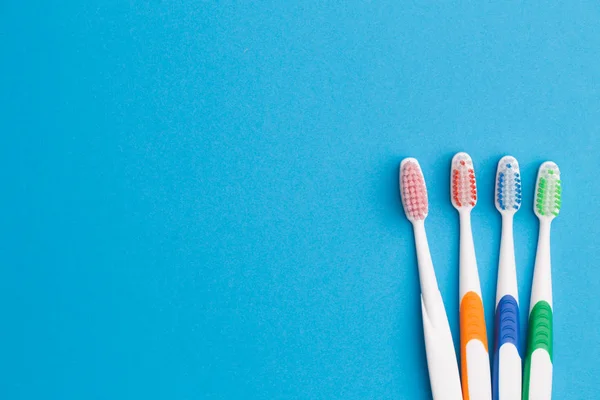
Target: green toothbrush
537, 379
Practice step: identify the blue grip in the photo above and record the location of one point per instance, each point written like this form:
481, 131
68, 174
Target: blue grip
506, 330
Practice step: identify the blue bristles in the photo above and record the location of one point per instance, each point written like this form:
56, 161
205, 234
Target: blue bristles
508, 185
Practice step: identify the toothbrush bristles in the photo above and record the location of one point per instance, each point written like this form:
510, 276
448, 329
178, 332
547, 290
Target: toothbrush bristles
508, 185
464, 187
413, 190
548, 191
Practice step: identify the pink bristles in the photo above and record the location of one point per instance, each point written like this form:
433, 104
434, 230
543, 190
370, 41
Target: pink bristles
413, 190
464, 188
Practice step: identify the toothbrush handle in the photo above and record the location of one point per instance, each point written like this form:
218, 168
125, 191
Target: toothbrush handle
538, 361
427, 279
507, 366
475, 360
439, 346
507, 266
507, 360
441, 357
475, 365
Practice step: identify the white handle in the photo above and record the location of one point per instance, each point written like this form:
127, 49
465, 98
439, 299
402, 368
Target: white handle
541, 288
441, 357
540, 380
509, 373
507, 268
469, 277
429, 286
475, 357
538, 363
439, 346
478, 371
508, 365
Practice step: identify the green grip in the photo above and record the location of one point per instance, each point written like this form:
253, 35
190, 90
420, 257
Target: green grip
540, 337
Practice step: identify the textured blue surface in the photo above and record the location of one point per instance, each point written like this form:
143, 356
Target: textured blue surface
506, 332
200, 199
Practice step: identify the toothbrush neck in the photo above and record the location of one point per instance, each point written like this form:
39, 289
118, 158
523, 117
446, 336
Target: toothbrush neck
469, 278
465, 221
429, 287
544, 235
507, 241
507, 221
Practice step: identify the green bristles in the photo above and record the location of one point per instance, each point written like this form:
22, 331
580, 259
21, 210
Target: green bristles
548, 191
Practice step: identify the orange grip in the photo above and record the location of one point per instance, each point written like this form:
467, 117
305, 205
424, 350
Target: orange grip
472, 326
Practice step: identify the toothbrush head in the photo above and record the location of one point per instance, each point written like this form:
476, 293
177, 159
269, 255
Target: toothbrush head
463, 189
548, 191
508, 185
413, 190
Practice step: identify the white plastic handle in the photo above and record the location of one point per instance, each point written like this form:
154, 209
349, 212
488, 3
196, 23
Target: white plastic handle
477, 361
439, 346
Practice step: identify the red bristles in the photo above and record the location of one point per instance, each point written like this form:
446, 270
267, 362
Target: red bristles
413, 191
464, 188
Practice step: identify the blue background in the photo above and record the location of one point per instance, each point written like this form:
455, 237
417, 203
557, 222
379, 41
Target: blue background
200, 199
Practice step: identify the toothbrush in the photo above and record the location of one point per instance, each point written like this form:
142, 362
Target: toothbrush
507, 360
538, 361
475, 362
441, 357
